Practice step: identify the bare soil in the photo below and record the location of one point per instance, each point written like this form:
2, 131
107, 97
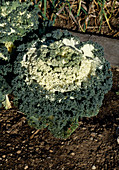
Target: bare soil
93, 145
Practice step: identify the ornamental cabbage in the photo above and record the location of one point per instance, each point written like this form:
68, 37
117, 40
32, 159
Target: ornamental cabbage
16, 20
59, 79
19, 22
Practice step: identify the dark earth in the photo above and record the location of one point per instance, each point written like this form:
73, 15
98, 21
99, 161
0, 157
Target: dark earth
94, 144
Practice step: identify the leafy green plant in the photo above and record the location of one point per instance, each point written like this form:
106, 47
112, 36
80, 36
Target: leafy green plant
5, 68
59, 79
5, 89
18, 22
55, 79
117, 92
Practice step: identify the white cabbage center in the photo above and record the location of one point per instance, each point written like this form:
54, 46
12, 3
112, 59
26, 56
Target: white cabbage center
64, 78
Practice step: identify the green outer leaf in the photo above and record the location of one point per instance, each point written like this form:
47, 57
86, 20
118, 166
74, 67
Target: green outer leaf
117, 93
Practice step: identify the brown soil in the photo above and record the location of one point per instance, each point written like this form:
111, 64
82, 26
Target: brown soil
93, 145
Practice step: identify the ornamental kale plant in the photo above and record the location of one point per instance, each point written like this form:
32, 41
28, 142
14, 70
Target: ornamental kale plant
55, 79
19, 22
5, 69
58, 79
16, 20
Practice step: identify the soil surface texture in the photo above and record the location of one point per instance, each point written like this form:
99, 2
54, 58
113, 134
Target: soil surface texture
94, 144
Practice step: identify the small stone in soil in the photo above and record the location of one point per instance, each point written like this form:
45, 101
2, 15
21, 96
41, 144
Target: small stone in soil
118, 140
91, 138
72, 153
51, 151
93, 134
26, 167
93, 167
18, 152
4, 156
